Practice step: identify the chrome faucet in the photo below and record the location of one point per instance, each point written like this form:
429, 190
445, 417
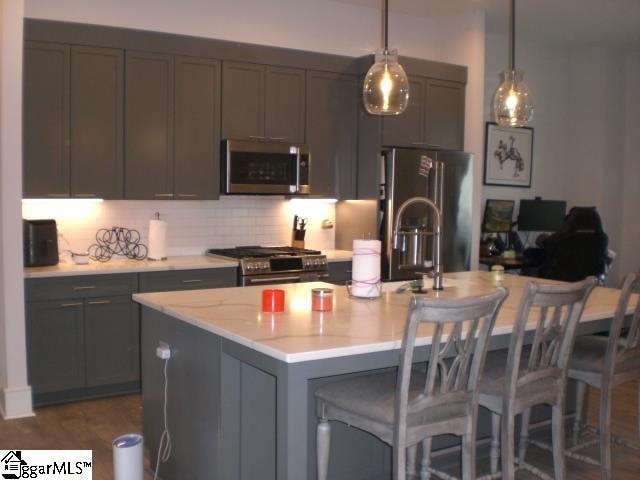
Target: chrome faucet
437, 265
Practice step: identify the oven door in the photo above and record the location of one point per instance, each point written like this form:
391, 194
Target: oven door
288, 277
266, 168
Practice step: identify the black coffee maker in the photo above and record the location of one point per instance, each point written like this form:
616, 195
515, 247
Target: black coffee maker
40, 243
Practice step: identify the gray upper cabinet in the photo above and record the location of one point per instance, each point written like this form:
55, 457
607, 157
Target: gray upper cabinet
197, 129
434, 117
445, 114
46, 120
97, 88
262, 103
332, 132
149, 126
285, 104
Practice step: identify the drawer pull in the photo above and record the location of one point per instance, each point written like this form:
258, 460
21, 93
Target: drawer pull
99, 302
75, 304
87, 287
163, 195
277, 138
188, 195
256, 137
57, 195
192, 281
84, 195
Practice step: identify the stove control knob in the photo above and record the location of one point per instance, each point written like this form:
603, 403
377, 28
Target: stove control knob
264, 265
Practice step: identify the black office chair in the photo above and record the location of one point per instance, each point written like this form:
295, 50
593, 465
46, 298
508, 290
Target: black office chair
577, 250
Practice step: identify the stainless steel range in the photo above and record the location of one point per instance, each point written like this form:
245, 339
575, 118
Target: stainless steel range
271, 265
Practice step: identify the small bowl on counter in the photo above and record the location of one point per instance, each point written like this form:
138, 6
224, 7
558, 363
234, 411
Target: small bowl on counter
80, 258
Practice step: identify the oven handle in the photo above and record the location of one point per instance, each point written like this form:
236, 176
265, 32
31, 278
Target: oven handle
273, 279
297, 169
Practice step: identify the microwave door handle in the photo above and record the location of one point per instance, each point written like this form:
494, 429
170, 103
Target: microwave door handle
298, 170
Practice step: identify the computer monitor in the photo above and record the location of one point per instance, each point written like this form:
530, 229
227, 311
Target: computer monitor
497, 216
541, 215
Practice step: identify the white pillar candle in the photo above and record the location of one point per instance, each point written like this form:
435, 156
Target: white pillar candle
365, 271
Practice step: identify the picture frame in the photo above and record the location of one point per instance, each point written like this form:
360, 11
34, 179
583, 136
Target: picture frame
508, 156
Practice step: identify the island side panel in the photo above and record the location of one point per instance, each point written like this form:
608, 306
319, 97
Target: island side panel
193, 396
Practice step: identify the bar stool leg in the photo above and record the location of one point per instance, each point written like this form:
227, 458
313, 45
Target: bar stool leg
469, 452
507, 439
323, 442
426, 459
524, 434
412, 453
557, 432
581, 395
495, 442
638, 411
605, 431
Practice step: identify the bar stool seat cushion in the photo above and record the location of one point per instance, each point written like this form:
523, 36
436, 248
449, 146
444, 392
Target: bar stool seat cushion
370, 399
589, 352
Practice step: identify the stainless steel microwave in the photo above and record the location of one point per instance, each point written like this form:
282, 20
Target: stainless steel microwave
268, 168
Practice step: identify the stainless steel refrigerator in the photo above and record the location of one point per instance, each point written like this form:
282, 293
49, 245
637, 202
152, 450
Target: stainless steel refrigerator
447, 179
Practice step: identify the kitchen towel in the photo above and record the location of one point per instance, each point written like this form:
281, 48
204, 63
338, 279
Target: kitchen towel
157, 240
365, 272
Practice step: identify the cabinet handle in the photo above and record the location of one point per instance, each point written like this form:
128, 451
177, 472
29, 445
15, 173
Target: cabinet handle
99, 302
163, 195
192, 281
256, 137
57, 195
90, 195
76, 304
188, 195
435, 145
277, 138
88, 287
418, 143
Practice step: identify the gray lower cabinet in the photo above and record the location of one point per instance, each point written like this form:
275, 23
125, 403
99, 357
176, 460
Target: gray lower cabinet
55, 345
332, 132
434, 117
263, 102
188, 279
339, 272
112, 341
46, 120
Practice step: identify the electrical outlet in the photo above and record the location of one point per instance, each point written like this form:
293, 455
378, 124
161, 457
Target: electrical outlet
163, 351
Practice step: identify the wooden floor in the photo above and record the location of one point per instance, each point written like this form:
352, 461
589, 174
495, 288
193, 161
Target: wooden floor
94, 424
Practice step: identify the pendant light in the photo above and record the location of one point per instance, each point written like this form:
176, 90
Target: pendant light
512, 102
386, 87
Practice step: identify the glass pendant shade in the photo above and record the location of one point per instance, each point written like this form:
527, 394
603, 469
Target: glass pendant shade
512, 102
386, 87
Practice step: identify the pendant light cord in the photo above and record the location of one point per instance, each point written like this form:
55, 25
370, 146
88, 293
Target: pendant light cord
512, 35
386, 25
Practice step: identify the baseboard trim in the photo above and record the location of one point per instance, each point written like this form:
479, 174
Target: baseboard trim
15, 402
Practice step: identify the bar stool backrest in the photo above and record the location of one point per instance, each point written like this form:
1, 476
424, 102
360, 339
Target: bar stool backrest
555, 310
461, 330
621, 349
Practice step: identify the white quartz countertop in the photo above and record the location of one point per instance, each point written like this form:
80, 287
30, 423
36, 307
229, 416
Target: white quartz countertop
355, 326
180, 262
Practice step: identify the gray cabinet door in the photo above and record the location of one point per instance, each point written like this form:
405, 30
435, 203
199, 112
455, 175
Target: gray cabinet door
148, 126
285, 104
444, 124
243, 103
97, 89
55, 345
112, 338
46, 120
408, 128
332, 132
197, 129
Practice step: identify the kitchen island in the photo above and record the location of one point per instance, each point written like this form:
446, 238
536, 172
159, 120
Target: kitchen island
241, 382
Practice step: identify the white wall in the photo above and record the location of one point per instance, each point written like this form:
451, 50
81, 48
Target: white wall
546, 75
15, 395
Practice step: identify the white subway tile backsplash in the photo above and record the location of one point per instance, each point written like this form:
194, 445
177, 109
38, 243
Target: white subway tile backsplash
193, 226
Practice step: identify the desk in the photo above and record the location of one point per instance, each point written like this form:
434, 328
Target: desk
241, 382
508, 263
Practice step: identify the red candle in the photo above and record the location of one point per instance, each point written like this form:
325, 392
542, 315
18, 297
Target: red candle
322, 299
273, 300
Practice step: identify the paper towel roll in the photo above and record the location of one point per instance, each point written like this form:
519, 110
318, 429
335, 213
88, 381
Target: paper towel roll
157, 240
127, 457
365, 271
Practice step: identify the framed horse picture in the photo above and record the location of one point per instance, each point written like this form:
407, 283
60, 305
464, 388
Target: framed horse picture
508, 156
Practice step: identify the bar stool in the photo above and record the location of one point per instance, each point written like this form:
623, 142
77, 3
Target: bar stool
404, 408
604, 363
535, 374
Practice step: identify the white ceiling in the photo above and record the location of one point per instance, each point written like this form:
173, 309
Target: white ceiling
573, 23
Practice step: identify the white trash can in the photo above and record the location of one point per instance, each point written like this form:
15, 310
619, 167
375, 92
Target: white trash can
128, 457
